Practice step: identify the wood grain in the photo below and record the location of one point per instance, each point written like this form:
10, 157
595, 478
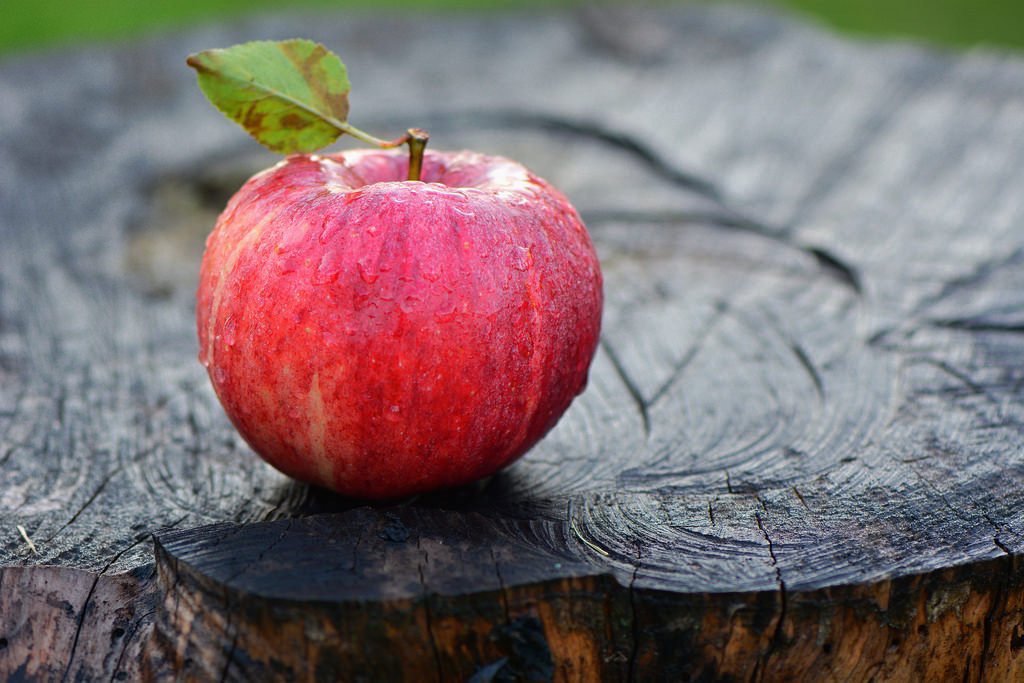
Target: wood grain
800, 446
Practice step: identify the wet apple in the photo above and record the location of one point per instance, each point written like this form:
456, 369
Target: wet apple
382, 336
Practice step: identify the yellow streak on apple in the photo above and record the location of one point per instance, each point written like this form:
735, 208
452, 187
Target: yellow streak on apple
225, 271
318, 430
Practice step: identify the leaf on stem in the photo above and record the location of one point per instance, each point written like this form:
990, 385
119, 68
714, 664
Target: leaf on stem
291, 95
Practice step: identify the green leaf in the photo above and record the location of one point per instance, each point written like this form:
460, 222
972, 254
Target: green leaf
291, 95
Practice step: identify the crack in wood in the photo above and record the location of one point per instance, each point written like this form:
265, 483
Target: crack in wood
978, 325
808, 365
428, 617
827, 262
99, 489
939, 494
85, 606
800, 497
777, 634
231, 653
355, 549
996, 541
679, 367
981, 272
142, 622
631, 387
501, 586
839, 268
957, 374
996, 608
263, 553
672, 218
517, 119
78, 627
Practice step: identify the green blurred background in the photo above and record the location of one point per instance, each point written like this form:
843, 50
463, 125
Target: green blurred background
26, 24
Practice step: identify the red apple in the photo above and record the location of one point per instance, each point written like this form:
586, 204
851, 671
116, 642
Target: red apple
383, 337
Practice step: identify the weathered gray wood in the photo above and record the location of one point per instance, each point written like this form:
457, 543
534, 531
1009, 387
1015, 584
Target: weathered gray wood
810, 370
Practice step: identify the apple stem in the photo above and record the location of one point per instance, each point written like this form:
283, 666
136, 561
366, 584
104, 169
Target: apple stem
417, 140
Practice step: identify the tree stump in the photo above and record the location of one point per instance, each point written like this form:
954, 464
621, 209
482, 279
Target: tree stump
799, 453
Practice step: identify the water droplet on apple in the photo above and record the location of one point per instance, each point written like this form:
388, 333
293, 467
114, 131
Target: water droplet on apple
393, 413
229, 335
485, 325
430, 270
286, 265
446, 311
409, 303
329, 268
463, 212
367, 271
329, 229
479, 247
520, 258
220, 375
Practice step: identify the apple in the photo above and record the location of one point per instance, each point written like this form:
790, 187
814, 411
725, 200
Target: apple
383, 337
378, 324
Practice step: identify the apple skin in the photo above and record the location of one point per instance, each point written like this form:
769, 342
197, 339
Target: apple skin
383, 337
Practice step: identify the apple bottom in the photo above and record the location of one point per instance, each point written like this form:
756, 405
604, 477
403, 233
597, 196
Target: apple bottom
383, 420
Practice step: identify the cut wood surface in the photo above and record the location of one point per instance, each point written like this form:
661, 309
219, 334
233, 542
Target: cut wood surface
801, 451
